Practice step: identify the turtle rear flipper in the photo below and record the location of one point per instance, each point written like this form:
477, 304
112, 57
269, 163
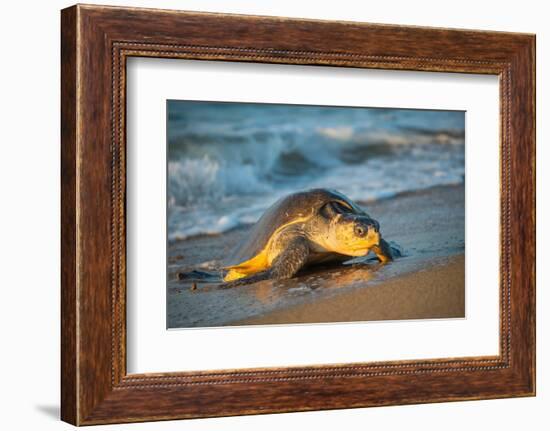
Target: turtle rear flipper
247, 268
285, 265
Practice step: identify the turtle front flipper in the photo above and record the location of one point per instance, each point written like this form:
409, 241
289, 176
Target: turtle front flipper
285, 265
383, 251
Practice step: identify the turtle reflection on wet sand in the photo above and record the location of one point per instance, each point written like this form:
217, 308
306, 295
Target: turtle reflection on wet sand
302, 229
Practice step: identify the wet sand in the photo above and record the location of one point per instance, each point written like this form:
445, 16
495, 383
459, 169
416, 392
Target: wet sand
436, 292
428, 282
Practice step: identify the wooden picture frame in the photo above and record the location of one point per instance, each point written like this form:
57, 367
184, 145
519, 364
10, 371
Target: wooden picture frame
95, 43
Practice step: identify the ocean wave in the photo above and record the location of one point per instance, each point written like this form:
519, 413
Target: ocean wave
193, 182
226, 168
252, 168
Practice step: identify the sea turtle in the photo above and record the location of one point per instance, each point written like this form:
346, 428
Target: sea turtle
307, 227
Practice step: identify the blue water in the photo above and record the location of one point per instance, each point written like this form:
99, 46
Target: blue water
227, 162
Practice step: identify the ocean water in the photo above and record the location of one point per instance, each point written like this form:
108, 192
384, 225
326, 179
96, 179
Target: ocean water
228, 162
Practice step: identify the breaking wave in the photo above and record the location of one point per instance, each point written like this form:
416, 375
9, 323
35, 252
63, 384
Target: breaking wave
228, 162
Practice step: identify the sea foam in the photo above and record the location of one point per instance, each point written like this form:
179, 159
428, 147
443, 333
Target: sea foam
229, 162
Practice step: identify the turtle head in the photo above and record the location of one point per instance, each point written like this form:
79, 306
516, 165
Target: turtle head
350, 233
353, 235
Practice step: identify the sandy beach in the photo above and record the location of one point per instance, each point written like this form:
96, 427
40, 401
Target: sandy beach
427, 282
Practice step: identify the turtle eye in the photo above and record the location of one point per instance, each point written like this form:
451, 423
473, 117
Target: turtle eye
360, 230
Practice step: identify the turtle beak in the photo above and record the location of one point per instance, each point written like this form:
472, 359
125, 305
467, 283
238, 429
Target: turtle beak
375, 235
